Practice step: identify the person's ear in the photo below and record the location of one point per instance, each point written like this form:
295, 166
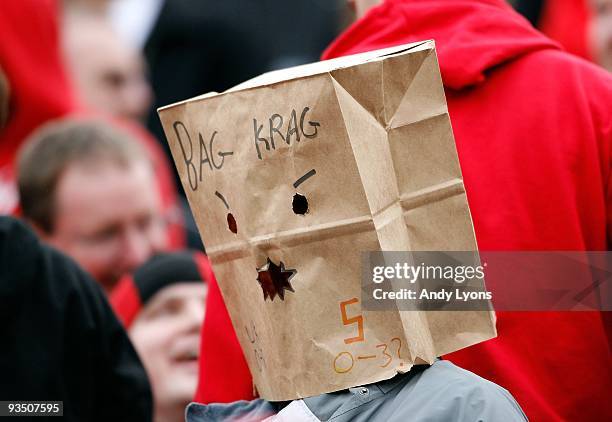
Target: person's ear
5, 94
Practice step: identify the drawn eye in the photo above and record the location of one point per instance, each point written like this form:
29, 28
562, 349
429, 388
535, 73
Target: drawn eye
300, 203
231, 221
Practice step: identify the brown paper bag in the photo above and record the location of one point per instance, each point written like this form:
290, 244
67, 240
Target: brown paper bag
290, 177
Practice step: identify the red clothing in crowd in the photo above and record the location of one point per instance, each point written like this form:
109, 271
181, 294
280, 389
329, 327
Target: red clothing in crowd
566, 21
533, 127
39, 89
30, 58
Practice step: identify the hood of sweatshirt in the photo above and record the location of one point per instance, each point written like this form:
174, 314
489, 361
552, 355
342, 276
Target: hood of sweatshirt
472, 36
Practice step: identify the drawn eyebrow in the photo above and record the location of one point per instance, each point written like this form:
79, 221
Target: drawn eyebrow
222, 198
305, 177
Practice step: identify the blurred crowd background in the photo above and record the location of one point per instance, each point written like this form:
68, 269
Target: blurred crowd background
103, 67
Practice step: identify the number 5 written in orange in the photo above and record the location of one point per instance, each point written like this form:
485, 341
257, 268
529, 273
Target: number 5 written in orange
353, 320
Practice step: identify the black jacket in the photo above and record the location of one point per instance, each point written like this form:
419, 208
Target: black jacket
59, 339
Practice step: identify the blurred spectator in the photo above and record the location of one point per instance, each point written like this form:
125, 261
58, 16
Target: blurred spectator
89, 190
162, 305
108, 74
34, 80
61, 340
110, 78
600, 32
583, 27
566, 21
38, 91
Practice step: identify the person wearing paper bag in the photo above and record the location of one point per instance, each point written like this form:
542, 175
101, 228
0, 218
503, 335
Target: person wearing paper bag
288, 259
528, 207
490, 138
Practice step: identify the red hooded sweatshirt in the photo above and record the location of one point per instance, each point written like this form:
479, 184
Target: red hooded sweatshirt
533, 127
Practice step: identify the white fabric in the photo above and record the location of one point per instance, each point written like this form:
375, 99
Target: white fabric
296, 411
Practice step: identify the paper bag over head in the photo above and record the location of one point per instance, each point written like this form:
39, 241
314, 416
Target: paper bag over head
290, 177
